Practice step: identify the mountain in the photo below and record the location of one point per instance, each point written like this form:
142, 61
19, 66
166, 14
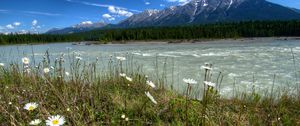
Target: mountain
297, 10
211, 11
82, 27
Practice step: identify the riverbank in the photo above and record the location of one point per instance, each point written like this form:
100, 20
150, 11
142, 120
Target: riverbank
185, 41
85, 97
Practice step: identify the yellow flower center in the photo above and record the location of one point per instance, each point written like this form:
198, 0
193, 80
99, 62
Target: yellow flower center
30, 108
55, 122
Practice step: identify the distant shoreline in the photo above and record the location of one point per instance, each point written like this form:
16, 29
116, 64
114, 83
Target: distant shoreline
185, 41
178, 41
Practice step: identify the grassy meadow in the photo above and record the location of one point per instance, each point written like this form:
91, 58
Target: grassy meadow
83, 95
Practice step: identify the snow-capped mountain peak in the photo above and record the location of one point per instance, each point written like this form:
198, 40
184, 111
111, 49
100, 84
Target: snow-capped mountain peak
151, 12
210, 11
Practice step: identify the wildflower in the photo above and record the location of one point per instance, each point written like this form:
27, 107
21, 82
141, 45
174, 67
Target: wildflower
35, 122
121, 58
67, 73
210, 84
123, 116
151, 97
126, 119
189, 81
78, 58
46, 70
128, 78
31, 106
68, 109
9, 103
122, 74
151, 84
55, 121
51, 67
2, 64
206, 67
25, 60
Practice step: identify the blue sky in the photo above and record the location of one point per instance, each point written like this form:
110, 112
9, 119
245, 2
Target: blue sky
42, 15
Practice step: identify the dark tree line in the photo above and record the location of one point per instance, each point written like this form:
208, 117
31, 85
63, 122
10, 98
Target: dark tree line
219, 30
37, 38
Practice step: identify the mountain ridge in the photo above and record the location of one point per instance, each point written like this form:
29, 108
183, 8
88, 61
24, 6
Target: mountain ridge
197, 12
204, 11
81, 27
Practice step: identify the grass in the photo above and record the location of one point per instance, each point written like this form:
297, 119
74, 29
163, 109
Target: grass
86, 97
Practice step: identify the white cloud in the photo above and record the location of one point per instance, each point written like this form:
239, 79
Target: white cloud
41, 13
119, 11
181, 2
111, 19
100, 5
34, 22
147, 3
162, 5
108, 16
17, 23
9, 26
3, 11
86, 23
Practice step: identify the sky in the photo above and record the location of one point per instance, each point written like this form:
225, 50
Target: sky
42, 15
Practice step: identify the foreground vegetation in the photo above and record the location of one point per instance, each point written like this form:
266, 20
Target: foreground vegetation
208, 31
84, 96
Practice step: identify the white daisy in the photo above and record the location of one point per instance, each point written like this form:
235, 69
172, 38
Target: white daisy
126, 119
67, 73
122, 74
123, 116
189, 81
128, 78
2, 64
46, 70
35, 122
25, 60
121, 58
210, 84
206, 67
31, 106
55, 121
78, 58
151, 97
151, 84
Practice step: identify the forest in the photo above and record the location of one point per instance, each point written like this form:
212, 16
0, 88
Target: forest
206, 31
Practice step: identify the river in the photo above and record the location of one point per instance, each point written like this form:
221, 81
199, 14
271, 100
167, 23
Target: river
244, 63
